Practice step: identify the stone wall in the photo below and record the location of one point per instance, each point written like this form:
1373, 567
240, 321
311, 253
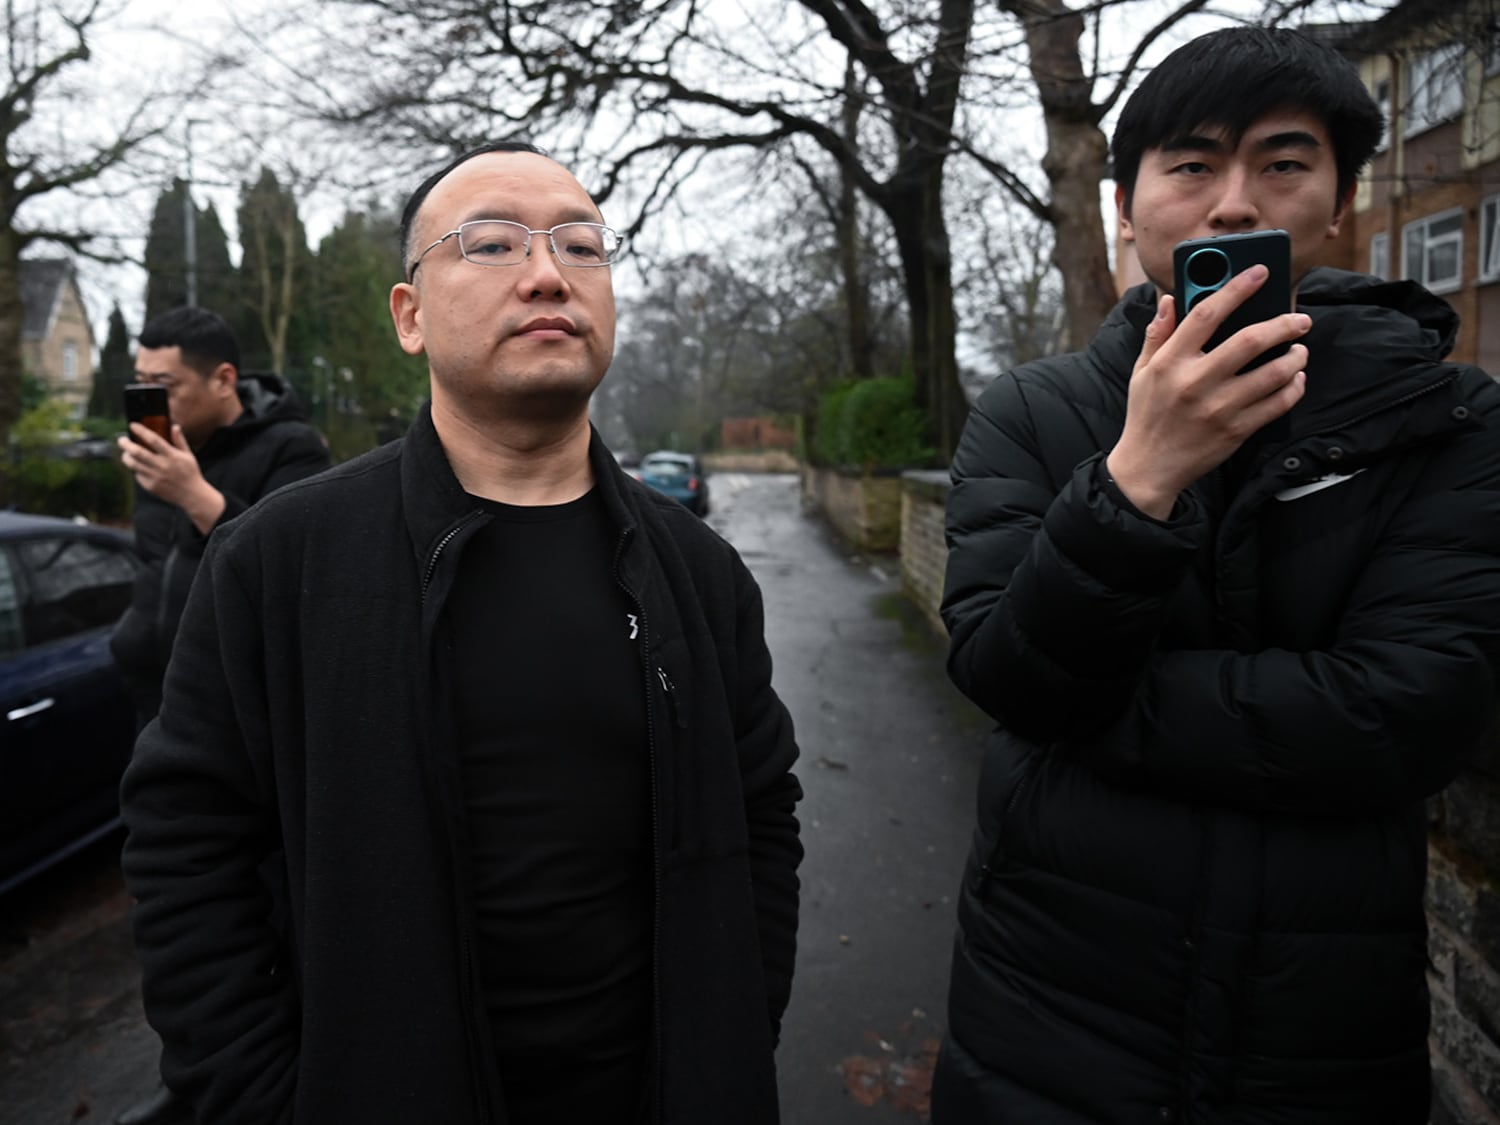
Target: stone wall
1463, 890
751, 461
865, 508
1463, 926
924, 552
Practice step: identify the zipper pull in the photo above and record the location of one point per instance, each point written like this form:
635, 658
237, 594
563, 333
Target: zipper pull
669, 689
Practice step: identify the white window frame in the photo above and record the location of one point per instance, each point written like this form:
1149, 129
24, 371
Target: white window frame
70, 361
1382, 96
1380, 254
1434, 87
1489, 239
1421, 271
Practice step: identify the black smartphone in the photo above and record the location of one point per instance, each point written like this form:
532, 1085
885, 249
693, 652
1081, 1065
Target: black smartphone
147, 403
1203, 266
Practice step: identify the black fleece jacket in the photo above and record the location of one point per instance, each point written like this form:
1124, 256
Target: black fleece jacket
1196, 890
270, 444
294, 817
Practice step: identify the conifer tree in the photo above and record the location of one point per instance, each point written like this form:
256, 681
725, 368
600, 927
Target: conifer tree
116, 368
166, 257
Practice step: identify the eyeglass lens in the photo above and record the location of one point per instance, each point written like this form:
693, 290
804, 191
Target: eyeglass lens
498, 243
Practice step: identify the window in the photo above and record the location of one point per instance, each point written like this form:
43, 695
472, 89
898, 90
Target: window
1432, 250
10, 608
1489, 239
1380, 255
70, 361
76, 585
1435, 87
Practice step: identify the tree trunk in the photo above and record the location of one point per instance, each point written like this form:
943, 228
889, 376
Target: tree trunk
1075, 163
856, 297
927, 267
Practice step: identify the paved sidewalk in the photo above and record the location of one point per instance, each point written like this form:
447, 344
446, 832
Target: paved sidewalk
890, 755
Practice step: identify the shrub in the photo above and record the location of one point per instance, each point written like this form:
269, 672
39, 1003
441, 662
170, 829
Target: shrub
37, 476
872, 424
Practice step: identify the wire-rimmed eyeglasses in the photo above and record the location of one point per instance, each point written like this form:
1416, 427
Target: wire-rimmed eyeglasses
497, 242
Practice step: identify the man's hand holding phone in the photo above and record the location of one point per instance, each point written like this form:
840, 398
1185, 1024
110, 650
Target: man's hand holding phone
1189, 409
169, 471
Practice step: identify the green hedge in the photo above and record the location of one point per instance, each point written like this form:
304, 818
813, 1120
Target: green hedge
36, 478
872, 424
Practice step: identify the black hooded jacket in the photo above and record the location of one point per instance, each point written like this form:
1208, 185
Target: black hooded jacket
295, 814
268, 445
1195, 892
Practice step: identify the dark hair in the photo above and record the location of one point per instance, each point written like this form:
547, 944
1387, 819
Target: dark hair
1230, 79
205, 337
418, 197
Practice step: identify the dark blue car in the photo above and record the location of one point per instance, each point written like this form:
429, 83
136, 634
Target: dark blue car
66, 721
679, 475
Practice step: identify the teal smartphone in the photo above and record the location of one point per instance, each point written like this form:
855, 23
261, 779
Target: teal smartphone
1203, 266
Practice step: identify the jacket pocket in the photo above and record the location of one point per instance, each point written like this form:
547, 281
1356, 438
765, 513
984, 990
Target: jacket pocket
998, 855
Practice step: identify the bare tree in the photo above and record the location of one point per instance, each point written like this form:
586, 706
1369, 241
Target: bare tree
45, 42
643, 94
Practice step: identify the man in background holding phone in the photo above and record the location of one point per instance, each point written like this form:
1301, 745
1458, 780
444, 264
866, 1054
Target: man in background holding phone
234, 438
1228, 660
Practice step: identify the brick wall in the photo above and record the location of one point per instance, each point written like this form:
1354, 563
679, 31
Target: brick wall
1463, 915
756, 433
864, 509
1463, 890
924, 552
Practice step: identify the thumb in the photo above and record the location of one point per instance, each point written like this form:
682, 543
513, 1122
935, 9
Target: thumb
1159, 331
179, 439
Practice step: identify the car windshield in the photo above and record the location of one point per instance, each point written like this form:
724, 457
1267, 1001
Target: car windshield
667, 466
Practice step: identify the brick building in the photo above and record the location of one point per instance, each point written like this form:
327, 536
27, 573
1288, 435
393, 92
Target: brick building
1429, 207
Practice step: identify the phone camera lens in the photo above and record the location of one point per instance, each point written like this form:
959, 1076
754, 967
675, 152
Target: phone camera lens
1208, 268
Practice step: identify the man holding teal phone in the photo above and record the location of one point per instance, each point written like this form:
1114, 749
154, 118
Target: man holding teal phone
1233, 602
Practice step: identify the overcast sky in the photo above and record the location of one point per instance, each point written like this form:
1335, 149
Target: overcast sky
148, 44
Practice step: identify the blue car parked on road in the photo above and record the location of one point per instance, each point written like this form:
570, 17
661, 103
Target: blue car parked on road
679, 475
67, 723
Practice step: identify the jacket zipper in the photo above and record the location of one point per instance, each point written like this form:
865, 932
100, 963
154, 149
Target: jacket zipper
666, 683
469, 1001
432, 560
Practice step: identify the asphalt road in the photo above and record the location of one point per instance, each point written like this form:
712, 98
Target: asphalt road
889, 758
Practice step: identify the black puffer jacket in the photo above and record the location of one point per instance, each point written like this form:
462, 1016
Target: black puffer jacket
270, 444
1195, 892
305, 924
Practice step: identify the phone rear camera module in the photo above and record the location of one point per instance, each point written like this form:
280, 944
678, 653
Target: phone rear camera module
1208, 268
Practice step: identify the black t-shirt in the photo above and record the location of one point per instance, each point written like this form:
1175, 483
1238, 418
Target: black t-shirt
550, 713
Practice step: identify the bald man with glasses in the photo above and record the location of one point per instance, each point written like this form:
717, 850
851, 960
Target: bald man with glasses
470, 799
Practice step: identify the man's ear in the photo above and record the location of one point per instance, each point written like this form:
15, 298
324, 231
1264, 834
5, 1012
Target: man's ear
1341, 209
406, 313
1122, 213
225, 378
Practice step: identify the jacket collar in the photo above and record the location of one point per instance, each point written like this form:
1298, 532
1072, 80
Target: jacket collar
1373, 345
435, 502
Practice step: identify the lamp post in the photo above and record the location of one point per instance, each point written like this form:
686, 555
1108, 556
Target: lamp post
190, 216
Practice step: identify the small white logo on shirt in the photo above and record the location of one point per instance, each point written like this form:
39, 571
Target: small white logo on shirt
1297, 491
635, 627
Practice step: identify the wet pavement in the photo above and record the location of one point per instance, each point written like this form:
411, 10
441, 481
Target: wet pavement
889, 759
890, 754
